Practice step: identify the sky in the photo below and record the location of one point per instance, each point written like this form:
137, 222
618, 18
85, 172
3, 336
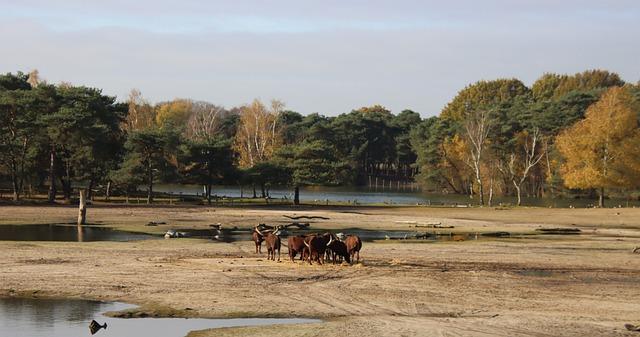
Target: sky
328, 56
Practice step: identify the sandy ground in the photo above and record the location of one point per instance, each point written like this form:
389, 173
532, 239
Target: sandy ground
585, 285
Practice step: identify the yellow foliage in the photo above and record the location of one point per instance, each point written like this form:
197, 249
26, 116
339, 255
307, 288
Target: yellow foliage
258, 134
603, 150
453, 165
175, 112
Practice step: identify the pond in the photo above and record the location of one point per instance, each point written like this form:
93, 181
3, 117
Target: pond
379, 195
367, 235
62, 232
20, 317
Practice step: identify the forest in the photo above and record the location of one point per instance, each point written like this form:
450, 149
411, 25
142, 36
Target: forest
566, 134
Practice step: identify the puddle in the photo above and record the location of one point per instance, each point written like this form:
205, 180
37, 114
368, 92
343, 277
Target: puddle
70, 318
61, 232
245, 235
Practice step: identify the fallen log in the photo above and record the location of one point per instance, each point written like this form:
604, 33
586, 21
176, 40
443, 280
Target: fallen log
559, 230
306, 217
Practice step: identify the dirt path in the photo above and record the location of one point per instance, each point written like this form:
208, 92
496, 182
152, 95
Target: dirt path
572, 286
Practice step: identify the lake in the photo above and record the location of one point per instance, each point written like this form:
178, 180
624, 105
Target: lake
64, 232
379, 195
25, 317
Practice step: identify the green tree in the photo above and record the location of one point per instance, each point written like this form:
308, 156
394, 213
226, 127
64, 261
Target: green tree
206, 162
86, 135
20, 107
148, 158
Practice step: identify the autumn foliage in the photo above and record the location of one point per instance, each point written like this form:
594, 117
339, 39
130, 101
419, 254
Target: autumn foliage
603, 150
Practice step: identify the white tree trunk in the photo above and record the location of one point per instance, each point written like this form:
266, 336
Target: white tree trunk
82, 208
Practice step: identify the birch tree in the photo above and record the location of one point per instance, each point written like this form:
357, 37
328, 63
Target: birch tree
521, 163
258, 134
204, 121
477, 125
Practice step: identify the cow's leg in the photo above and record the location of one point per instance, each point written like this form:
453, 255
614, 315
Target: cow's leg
278, 254
358, 252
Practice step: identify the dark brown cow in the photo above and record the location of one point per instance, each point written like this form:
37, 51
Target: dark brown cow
296, 245
354, 244
257, 239
338, 249
316, 246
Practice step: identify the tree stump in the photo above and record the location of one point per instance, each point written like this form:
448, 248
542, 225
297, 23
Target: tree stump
82, 208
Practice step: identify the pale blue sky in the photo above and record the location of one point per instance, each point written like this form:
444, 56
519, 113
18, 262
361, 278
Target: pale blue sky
318, 56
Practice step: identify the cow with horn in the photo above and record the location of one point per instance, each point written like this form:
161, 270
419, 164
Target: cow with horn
316, 246
272, 240
257, 238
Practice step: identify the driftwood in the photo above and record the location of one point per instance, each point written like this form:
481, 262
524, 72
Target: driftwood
636, 250
305, 217
559, 230
434, 225
155, 223
300, 225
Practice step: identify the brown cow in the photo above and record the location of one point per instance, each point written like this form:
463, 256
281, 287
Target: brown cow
316, 246
354, 244
273, 244
296, 245
257, 239
338, 249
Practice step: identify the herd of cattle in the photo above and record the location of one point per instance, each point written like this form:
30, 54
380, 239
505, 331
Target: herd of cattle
310, 247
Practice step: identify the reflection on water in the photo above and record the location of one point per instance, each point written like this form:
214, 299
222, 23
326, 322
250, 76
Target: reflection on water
371, 195
57, 232
71, 318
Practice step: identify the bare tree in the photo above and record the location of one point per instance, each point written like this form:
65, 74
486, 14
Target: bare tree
477, 125
258, 135
34, 78
204, 120
520, 165
141, 114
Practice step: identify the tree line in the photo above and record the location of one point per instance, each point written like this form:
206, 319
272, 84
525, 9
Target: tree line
566, 133
60, 137
498, 137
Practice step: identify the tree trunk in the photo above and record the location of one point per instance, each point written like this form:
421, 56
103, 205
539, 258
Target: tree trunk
90, 190
66, 189
262, 191
296, 196
209, 192
108, 192
150, 187
491, 192
16, 187
254, 191
51, 196
82, 208
480, 190
519, 195
601, 198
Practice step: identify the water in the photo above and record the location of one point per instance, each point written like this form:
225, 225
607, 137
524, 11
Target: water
70, 318
371, 195
60, 232
245, 235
